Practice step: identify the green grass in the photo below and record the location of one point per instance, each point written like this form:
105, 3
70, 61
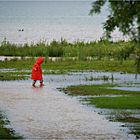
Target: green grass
123, 115
7, 133
99, 49
103, 89
23, 75
118, 105
128, 117
96, 55
131, 101
17, 64
12, 76
122, 102
62, 66
105, 65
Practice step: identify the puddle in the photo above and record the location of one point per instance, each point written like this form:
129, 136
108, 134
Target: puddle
46, 113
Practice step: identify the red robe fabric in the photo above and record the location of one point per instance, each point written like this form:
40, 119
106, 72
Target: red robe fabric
36, 70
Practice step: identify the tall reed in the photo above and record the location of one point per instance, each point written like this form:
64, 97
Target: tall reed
102, 49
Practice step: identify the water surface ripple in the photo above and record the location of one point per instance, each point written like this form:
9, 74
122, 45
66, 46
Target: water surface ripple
46, 113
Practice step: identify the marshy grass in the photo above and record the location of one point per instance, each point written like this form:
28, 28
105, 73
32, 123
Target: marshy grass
64, 56
103, 89
128, 118
121, 102
104, 78
118, 104
69, 65
5, 132
7, 76
122, 115
102, 49
102, 55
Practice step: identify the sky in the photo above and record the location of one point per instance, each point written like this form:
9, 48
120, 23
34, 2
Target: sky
47, 0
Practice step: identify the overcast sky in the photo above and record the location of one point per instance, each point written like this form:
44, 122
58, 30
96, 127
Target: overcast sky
47, 0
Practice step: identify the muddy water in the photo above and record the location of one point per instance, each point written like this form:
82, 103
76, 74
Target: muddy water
46, 113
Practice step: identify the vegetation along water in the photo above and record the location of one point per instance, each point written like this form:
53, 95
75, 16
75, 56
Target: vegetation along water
122, 56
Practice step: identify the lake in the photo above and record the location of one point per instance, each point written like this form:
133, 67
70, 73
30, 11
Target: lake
34, 21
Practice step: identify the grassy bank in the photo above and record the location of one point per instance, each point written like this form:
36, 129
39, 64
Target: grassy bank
7, 76
123, 108
103, 89
122, 102
97, 55
7, 133
68, 64
125, 100
63, 66
131, 101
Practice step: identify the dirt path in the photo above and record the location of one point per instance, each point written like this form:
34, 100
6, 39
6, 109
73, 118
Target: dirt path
45, 113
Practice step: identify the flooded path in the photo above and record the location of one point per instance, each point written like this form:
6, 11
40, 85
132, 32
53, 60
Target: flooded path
46, 113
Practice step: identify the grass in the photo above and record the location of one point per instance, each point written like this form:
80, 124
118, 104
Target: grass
105, 78
66, 64
12, 76
118, 105
7, 133
123, 54
17, 64
102, 55
96, 55
81, 50
122, 102
103, 89
63, 66
123, 115
128, 118
131, 101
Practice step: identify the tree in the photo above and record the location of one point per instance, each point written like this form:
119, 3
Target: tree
124, 15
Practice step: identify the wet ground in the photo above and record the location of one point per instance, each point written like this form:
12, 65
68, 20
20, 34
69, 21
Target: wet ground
46, 113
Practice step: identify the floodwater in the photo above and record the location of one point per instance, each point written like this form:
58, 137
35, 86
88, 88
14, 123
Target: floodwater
46, 113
